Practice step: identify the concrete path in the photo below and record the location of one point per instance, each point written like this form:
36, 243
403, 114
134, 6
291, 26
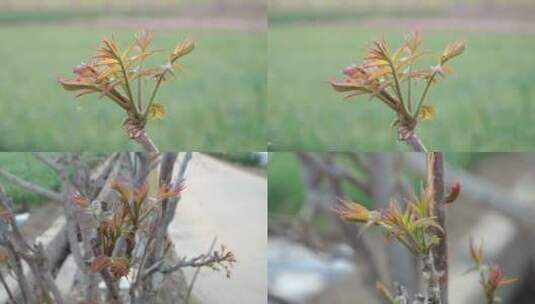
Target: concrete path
224, 201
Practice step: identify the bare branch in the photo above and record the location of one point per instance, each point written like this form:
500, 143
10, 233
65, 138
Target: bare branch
103, 169
222, 259
335, 171
410, 137
197, 271
53, 164
40, 190
16, 264
435, 184
359, 161
141, 137
72, 226
33, 256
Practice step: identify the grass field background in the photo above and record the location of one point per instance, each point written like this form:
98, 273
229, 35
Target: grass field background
486, 106
217, 103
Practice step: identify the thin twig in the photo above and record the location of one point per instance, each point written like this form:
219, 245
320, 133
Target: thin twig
424, 94
334, 171
409, 89
53, 164
153, 94
197, 271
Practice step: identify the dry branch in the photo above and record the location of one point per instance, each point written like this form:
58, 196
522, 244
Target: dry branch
435, 186
335, 171
32, 187
34, 256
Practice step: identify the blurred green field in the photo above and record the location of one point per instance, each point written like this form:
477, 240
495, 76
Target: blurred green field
291, 11
486, 106
217, 103
139, 4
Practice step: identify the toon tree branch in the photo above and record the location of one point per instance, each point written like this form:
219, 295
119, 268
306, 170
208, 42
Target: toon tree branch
140, 136
16, 263
203, 260
171, 176
167, 167
435, 184
92, 180
213, 259
70, 218
410, 138
34, 256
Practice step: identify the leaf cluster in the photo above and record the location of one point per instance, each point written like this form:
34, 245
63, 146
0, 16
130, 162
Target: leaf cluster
119, 74
389, 75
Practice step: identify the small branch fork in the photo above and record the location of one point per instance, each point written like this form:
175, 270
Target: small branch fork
140, 136
410, 138
213, 259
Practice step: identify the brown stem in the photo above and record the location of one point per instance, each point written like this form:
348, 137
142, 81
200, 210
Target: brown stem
70, 218
143, 139
16, 264
433, 293
424, 94
127, 84
111, 285
435, 182
34, 257
396, 82
410, 138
